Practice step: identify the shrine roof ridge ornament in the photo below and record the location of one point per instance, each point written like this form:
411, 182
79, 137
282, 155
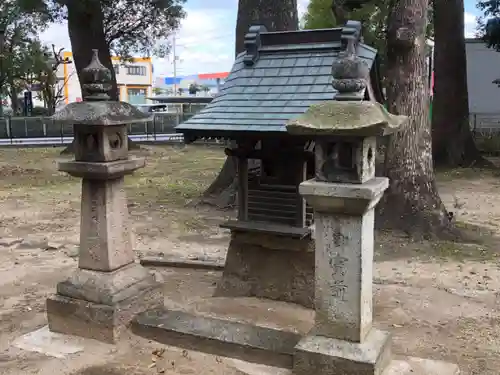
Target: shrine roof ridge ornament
97, 109
258, 38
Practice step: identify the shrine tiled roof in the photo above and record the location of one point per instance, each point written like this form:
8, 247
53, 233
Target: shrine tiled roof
277, 78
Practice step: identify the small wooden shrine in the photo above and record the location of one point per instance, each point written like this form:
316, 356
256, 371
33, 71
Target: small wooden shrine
277, 78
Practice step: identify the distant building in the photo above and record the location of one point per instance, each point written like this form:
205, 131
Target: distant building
134, 79
483, 67
212, 81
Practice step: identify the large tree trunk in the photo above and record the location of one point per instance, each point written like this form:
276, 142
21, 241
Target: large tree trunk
452, 141
86, 32
14, 100
276, 15
412, 202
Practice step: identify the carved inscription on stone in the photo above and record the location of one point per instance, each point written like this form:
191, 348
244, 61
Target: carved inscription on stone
338, 264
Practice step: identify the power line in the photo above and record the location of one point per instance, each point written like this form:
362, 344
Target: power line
205, 40
203, 32
175, 67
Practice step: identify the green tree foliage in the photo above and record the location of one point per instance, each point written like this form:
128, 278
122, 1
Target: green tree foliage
318, 15
194, 88
20, 23
45, 64
372, 14
130, 26
489, 24
158, 91
135, 26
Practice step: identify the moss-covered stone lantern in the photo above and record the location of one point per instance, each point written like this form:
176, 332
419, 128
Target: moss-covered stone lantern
108, 288
343, 195
345, 134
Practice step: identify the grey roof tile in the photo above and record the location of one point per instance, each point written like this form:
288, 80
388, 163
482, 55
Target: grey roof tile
290, 72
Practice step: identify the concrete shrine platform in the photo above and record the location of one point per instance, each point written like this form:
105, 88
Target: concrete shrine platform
250, 329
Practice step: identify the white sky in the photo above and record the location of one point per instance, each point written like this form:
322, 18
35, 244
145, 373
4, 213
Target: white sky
205, 41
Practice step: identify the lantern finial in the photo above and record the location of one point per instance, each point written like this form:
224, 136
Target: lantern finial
96, 80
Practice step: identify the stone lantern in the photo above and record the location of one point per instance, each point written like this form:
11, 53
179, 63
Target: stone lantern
343, 195
109, 288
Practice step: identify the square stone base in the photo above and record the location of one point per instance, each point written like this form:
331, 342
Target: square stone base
100, 305
269, 266
97, 321
321, 355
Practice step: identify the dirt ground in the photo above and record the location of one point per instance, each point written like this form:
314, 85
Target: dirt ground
440, 300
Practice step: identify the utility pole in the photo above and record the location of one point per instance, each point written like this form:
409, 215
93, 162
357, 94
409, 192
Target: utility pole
175, 66
2, 78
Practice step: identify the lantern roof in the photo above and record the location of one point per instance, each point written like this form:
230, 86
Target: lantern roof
346, 118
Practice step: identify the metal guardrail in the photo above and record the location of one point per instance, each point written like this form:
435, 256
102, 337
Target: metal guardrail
37, 127
485, 123
63, 141
43, 131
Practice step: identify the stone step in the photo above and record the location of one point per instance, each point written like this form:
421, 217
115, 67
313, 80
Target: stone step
220, 337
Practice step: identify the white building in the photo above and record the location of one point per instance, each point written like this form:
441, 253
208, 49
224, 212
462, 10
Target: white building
134, 79
483, 67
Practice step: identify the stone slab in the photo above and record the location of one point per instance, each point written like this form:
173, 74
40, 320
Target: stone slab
107, 288
262, 271
211, 264
320, 355
421, 366
260, 312
248, 368
102, 171
232, 339
283, 231
49, 343
258, 350
342, 198
406, 366
98, 321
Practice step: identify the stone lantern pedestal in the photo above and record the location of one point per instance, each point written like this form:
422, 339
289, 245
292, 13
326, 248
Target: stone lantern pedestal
344, 194
343, 337
109, 288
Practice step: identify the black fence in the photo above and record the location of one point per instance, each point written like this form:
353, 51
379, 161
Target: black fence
42, 127
42, 130
486, 132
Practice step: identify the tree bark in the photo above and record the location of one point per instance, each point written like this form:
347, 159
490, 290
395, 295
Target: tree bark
412, 202
14, 100
86, 32
452, 141
277, 15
